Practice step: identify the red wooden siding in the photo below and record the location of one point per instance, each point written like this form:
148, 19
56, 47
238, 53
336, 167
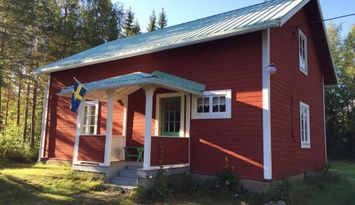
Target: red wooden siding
92, 148
169, 150
289, 86
233, 63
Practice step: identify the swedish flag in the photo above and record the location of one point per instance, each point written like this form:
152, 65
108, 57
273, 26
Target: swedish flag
77, 96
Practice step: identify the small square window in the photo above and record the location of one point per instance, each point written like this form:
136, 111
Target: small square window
214, 105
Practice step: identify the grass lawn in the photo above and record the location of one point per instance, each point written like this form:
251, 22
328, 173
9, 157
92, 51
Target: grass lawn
44, 184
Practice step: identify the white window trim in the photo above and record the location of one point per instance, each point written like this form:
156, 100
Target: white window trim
211, 115
304, 70
305, 144
90, 103
157, 112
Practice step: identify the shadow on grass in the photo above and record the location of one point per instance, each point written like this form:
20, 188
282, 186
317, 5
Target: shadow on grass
17, 191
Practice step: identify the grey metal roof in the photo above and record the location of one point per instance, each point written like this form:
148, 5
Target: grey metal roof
268, 14
137, 80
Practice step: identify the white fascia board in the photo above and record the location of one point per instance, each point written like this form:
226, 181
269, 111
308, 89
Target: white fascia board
293, 11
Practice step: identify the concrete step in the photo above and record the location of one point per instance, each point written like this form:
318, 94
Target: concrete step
128, 173
123, 181
133, 167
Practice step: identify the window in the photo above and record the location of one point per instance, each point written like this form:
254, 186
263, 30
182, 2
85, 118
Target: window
303, 53
304, 126
90, 115
170, 112
213, 105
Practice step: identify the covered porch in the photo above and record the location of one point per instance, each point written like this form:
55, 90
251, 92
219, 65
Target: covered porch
165, 129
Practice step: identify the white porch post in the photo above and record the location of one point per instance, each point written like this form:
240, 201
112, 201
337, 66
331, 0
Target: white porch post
149, 91
110, 101
77, 131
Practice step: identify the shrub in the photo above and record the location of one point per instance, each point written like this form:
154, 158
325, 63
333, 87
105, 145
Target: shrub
12, 149
165, 187
226, 179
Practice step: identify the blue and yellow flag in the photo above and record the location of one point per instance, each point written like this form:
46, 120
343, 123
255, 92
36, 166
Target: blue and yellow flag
77, 96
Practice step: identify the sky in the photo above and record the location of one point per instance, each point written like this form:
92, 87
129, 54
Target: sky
180, 11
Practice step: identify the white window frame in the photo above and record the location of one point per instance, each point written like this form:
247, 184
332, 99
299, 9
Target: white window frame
305, 143
213, 115
303, 68
87, 127
158, 109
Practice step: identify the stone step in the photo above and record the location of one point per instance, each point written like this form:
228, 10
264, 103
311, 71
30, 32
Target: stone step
128, 173
123, 181
133, 167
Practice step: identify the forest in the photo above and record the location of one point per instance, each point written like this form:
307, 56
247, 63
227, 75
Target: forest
34, 33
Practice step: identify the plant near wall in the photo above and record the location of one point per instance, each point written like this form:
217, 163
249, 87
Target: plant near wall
161, 158
226, 179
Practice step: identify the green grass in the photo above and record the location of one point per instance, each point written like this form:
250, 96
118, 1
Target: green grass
44, 184
338, 191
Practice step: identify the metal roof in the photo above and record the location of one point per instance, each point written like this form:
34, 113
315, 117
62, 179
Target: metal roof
126, 84
261, 16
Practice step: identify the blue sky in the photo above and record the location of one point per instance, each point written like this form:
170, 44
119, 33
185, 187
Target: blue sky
180, 11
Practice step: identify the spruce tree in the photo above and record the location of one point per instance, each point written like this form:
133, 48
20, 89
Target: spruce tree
131, 26
162, 21
152, 25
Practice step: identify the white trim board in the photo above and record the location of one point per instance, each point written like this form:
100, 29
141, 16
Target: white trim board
267, 152
44, 120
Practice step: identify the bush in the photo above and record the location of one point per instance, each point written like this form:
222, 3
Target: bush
226, 179
165, 187
12, 149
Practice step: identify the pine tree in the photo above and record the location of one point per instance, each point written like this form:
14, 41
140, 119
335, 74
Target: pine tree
131, 26
162, 21
152, 25
101, 22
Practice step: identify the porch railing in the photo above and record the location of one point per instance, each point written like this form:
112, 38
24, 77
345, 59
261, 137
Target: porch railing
169, 151
91, 148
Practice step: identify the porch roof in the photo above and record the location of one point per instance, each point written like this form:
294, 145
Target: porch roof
128, 83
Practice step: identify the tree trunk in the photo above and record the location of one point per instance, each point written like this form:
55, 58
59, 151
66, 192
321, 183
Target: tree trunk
19, 101
33, 117
7, 106
26, 113
1, 111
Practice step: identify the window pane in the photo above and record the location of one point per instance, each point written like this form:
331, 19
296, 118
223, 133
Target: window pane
93, 110
206, 108
199, 101
171, 127
200, 109
166, 126
222, 108
92, 120
92, 129
177, 127
83, 129
177, 116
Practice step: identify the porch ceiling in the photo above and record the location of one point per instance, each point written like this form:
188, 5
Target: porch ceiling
126, 84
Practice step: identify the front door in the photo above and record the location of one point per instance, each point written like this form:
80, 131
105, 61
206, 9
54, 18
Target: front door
170, 115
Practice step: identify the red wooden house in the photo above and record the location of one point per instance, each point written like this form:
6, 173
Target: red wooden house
246, 86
